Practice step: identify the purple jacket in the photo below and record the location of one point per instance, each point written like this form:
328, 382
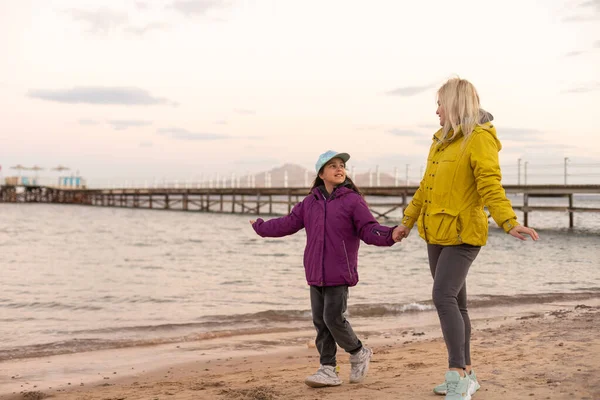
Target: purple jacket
334, 228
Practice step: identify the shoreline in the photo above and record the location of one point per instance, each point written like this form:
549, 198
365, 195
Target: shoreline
191, 367
263, 322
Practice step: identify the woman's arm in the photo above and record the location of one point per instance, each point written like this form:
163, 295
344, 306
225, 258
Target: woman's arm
486, 169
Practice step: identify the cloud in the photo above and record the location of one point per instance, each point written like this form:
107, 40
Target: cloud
594, 4
580, 18
405, 133
370, 127
221, 122
120, 125
408, 91
244, 112
387, 163
591, 87
142, 5
520, 134
597, 44
142, 30
424, 142
184, 134
433, 127
88, 122
591, 3
574, 53
99, 95
146, 144
102, 20
197, 7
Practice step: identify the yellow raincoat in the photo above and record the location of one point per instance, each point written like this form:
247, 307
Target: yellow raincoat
459, 180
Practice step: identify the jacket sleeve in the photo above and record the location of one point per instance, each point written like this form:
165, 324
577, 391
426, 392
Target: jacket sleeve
486, 169
369, 230
412, 211
283, 226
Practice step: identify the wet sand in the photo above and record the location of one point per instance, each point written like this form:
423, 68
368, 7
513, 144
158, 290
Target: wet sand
552, 353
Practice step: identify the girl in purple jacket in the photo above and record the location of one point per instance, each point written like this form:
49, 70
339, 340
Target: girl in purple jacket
336, 218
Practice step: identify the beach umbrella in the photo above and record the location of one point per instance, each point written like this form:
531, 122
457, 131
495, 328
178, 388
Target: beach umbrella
19, 168
36, 168
60, 168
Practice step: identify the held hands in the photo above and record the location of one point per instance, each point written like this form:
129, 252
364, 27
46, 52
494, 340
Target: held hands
400, 232
517, 232
252, 221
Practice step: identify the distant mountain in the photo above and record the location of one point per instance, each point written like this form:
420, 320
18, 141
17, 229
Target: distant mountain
298, 176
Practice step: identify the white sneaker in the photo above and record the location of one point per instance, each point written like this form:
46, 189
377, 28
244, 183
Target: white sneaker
442, 389
359, 364
325, 376
458, 388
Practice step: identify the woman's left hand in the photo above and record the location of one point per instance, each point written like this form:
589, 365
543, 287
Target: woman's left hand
518, 230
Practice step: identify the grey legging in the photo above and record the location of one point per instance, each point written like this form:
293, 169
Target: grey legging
449, 267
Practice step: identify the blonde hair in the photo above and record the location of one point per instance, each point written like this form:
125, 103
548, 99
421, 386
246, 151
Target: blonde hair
460, 101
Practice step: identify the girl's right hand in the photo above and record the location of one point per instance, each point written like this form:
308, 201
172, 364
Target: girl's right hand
252, 222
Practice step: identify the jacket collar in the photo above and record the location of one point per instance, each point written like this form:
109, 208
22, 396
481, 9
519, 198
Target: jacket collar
340, 190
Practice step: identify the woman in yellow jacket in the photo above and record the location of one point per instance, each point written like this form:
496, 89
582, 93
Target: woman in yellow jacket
462, 176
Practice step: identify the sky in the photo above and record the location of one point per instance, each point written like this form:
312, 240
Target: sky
186, 89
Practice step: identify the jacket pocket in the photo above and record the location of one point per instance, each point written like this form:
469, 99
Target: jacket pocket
441, 226
347, 259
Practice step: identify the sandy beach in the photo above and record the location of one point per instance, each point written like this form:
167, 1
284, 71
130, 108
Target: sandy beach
549, 354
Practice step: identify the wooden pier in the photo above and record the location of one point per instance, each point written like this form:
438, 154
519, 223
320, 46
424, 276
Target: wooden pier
269, 201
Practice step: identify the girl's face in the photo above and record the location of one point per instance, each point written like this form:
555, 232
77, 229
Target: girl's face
440, 112
334, 172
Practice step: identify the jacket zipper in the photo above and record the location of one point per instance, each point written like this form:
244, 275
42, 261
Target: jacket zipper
347, 259
424, 227
324, 235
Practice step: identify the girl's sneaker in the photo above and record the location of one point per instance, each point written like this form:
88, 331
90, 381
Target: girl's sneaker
442, 388
359, 364
327, 375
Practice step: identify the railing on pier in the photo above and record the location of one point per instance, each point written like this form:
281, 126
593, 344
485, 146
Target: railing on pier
383, 200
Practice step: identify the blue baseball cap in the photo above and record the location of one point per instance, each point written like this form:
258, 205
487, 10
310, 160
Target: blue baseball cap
327, 156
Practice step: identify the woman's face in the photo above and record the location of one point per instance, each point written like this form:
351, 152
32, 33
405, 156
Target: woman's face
334, 172
440, 112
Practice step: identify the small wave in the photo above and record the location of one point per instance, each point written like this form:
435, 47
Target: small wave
287, 316
53, 305
384, 310
3, 320
537, 298
145, 299
84, 345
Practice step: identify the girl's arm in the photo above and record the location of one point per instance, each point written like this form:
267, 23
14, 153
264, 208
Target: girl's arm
283, 226
368, 229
